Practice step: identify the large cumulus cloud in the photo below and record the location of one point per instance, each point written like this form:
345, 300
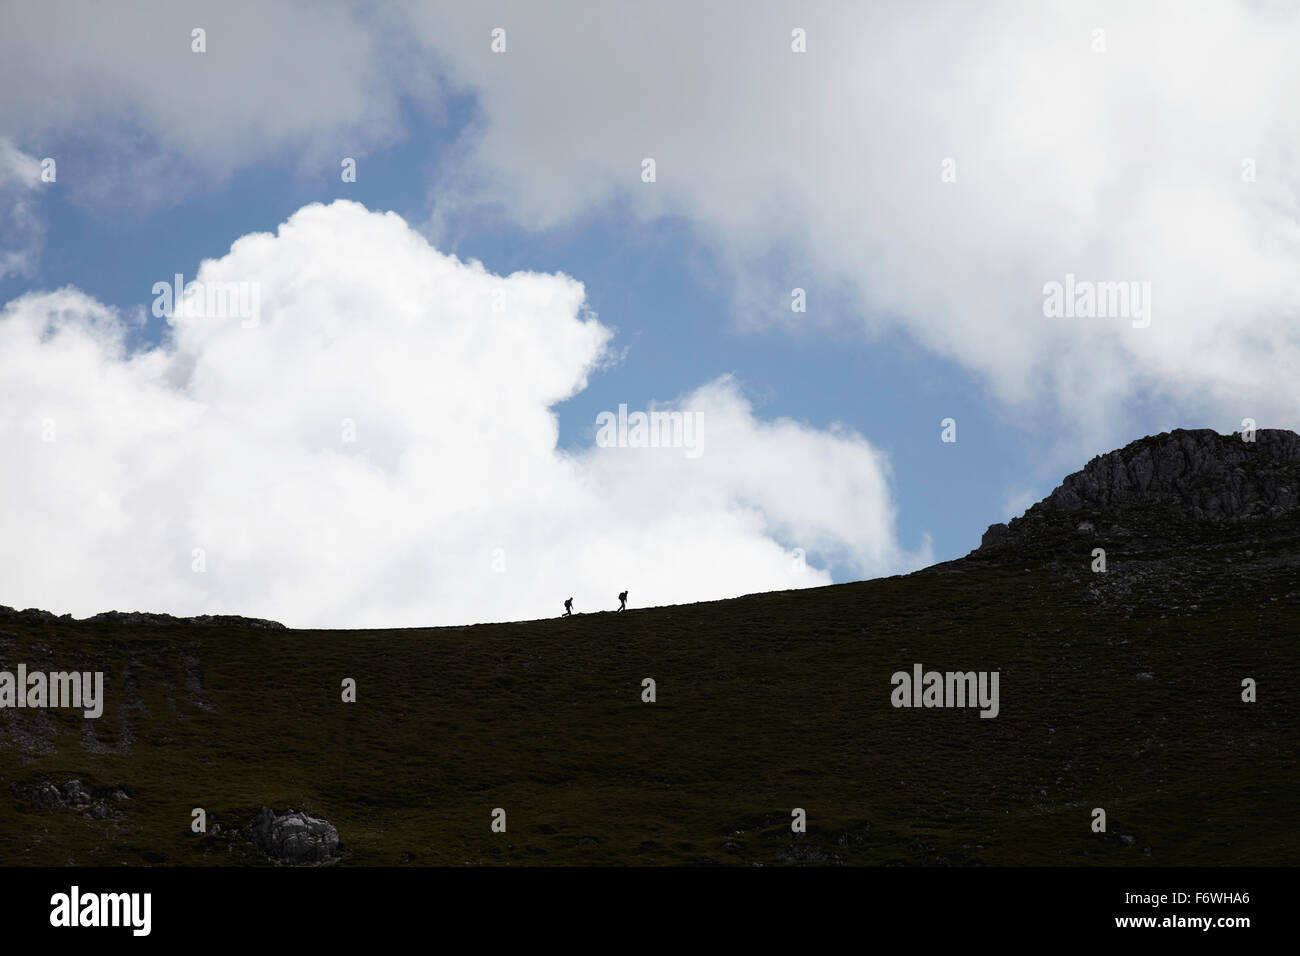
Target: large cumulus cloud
380, 448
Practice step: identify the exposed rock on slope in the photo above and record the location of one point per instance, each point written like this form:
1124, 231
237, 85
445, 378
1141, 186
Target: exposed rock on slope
1179, 519
293, 837
1201, 474
1167, 482
147, 618
98, 803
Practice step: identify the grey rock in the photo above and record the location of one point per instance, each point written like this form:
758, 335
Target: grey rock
144, 618
993, 535
293, 837
1200, 473
151, 619
72, 795
234, 620
1177, 487
75, 794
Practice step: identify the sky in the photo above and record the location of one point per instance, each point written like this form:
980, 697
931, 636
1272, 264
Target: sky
897, 268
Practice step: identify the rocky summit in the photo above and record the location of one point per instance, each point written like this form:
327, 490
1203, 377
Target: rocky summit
1201, 474
1167, 484
1167, 522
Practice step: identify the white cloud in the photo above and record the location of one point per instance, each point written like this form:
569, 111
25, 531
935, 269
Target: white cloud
21, 231
17, 169
311, 82
229, 438
1115, 166
1121, 165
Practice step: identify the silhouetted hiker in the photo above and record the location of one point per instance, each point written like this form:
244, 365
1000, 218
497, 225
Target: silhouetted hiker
568, 608
622, 601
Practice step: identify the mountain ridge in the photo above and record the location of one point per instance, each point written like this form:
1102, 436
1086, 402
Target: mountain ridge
1166, 482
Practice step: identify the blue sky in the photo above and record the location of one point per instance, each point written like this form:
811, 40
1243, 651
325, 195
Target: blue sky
648, 283
825, 169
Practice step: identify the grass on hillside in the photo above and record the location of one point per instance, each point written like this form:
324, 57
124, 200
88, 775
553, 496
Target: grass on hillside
765, 703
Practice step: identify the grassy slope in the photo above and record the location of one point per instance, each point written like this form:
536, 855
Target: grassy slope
765, 703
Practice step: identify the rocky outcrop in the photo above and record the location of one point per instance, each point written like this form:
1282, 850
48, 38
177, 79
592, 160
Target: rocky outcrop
210, 620
1199, 474
993, 535
146, 618
1185, 480
293, 837
31, 614
100, 803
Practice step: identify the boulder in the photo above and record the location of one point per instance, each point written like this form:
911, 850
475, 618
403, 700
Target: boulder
294, 838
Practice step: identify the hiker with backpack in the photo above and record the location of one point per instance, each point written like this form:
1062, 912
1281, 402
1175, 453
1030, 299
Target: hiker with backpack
622, 601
